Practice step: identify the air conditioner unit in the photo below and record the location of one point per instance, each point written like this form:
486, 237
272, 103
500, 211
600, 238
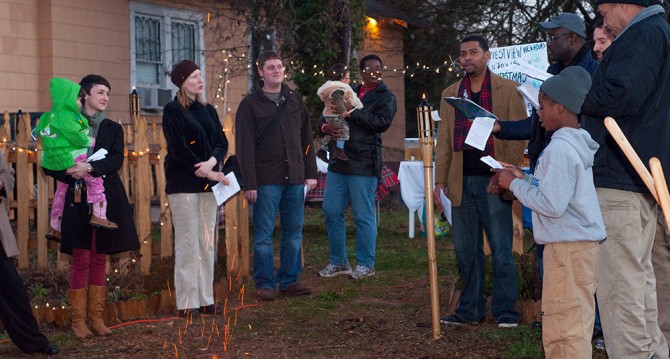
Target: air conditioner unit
153, 98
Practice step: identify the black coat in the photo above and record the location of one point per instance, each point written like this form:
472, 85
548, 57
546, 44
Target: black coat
193, 135
75, 230
364, 146
632, 85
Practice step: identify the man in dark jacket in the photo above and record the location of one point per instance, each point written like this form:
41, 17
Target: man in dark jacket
566, 46
276, 158
356, 179
632, 85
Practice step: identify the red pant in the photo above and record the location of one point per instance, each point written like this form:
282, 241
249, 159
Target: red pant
87, 266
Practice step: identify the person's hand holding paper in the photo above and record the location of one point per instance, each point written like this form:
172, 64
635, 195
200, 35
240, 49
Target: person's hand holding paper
479, 133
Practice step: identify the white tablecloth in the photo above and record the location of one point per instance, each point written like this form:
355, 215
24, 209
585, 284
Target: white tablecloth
412, 190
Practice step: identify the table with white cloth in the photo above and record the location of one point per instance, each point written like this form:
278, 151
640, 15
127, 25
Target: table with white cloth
412, 190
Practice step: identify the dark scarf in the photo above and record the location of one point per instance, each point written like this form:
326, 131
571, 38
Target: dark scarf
462, 125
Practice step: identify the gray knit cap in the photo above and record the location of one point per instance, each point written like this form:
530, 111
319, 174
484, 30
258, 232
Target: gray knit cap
569, 88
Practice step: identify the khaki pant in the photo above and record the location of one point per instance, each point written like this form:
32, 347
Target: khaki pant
626, 282
568, 303
194, 218
660, 259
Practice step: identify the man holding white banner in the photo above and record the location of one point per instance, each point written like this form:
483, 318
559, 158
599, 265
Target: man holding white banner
461, 174
566, 46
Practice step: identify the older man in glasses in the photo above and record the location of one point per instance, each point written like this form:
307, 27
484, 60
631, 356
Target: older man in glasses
632, 85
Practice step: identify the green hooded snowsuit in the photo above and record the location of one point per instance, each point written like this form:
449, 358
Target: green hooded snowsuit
64, 130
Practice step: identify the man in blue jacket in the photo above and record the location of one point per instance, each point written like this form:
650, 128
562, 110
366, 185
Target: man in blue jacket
632, 85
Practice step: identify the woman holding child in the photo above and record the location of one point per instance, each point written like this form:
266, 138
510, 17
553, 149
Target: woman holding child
88, 245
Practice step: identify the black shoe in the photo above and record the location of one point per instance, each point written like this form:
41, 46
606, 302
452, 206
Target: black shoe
51, 349
211, 309
296, 289
454, 320
185, 313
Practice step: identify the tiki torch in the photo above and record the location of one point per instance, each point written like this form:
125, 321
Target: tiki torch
426, 130
134, 104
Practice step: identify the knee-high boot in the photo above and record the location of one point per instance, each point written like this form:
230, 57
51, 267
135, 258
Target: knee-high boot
78, 312
96, 304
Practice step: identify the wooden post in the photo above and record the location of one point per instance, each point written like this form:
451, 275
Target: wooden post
123, 172
661, 189
141, 191
167, 239
236, 219
23, 187
42, 219
517, 227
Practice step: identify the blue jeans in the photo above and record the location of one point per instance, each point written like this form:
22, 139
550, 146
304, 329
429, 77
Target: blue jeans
288, 200
361, 191
480, 211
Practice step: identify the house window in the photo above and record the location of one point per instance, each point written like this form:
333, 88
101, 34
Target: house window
161, 37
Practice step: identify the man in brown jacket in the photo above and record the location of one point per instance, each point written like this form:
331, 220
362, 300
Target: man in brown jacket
464, 178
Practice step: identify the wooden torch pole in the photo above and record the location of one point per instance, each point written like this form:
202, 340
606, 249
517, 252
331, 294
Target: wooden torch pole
630, 153
425, 126
661, 190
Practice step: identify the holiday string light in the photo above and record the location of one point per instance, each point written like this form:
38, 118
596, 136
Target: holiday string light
239, 65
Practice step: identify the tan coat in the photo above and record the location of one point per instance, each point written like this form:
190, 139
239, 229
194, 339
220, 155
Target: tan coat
508, 105
6, 233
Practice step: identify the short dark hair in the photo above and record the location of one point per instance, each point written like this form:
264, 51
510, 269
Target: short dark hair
336, 72
365, 59
90, 80
600, 24
265, 56
480, 39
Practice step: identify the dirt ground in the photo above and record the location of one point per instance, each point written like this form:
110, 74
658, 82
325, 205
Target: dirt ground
385, 316
395, 324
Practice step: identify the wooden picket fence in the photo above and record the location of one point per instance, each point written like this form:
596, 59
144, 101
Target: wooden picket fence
144, 180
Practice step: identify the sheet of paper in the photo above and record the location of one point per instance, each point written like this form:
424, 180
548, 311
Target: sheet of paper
446, 204
480, 132
435, 115
98, 155
531, 71
222, 192
492, 162
530, 94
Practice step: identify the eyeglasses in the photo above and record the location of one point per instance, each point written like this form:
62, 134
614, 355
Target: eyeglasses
552, 38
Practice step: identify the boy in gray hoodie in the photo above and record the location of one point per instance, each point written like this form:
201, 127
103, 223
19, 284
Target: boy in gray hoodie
566, 216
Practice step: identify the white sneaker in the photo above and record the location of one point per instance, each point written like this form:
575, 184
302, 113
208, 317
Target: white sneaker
507, 323
332, 270
362, 272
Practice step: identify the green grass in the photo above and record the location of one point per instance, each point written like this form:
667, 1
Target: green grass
521, 342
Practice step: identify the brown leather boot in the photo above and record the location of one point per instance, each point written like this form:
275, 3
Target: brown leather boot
78, 312
96, 308
99, 217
